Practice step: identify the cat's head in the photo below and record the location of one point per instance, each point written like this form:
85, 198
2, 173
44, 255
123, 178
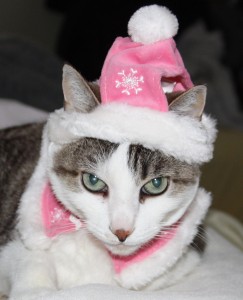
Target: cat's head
129, 173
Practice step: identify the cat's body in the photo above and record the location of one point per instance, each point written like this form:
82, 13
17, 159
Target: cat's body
19, 153
130, 213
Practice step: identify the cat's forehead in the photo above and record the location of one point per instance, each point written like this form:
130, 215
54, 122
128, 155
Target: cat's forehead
89, 154
85, 153
98, 150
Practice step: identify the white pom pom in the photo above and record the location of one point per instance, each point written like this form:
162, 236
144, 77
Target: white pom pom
151, 24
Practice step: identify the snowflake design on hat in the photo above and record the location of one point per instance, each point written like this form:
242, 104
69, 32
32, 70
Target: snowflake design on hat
130, 82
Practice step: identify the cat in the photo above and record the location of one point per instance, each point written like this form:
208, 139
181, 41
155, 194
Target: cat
80, 204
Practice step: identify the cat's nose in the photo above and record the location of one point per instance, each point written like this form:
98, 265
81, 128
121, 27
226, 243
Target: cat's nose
122, 234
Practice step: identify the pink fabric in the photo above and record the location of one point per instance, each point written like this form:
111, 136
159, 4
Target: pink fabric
133, 73
57, 220
121, 262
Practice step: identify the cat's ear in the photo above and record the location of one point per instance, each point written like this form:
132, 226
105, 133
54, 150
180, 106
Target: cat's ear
79, 94
190, 103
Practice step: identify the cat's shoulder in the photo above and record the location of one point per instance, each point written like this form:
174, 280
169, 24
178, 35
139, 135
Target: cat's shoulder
19, 145
19, 154
28, 131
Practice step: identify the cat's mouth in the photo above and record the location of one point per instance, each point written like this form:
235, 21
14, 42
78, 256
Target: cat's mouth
130, 249
122, 249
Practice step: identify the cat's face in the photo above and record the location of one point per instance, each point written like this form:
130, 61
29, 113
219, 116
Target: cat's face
126, 194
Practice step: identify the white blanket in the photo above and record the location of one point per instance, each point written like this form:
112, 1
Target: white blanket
15, 113
218, 277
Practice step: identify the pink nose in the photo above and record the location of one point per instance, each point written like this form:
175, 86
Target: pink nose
122, 234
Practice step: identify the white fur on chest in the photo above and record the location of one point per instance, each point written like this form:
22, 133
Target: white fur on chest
80, 259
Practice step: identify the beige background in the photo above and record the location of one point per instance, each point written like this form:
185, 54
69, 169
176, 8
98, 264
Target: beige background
223, 176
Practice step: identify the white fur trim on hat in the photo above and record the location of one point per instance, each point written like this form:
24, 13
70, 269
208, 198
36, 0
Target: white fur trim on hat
185, 138
151, 24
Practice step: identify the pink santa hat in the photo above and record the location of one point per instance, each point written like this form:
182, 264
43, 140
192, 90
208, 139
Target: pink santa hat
140, 69
137, 73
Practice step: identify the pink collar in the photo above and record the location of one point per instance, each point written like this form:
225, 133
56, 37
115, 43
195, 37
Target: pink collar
57, 220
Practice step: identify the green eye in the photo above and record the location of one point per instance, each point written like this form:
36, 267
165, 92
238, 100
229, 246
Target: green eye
93, 183
155, 186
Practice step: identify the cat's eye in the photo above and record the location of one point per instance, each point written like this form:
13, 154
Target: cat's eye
93, 183
155, 186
